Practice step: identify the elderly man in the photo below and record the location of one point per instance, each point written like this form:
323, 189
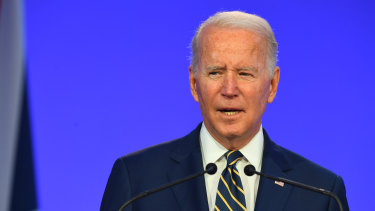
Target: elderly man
233, 75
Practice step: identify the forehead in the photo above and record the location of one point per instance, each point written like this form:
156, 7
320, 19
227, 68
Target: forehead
230, 38
231, 44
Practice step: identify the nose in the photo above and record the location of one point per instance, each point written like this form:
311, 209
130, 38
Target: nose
230, 86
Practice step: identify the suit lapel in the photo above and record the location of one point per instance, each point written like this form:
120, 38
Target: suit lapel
191, 195
270, 195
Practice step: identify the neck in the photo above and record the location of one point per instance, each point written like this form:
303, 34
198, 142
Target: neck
234, 142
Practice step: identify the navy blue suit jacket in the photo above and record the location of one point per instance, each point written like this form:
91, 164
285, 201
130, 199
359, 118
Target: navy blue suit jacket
164, 163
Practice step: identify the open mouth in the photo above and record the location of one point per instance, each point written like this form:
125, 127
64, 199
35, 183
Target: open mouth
230, 112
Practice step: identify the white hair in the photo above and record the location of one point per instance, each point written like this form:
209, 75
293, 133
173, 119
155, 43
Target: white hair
242, 20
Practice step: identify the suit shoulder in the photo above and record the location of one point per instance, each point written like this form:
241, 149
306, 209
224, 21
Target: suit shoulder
305, 171
152, 152
174, 149
293, 163
312, 172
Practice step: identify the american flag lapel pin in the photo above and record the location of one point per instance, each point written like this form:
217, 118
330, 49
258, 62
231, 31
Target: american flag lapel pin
279, 183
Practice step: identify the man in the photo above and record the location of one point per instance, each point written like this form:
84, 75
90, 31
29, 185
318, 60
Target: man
233, 75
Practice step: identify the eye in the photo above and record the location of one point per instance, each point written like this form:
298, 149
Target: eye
214, 74
246, 74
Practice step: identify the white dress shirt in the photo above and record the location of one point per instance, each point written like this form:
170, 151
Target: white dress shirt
213, 152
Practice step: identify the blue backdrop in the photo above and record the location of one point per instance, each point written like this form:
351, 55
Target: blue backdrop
107, 78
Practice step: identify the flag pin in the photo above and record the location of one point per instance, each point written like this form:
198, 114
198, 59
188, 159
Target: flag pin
279, 183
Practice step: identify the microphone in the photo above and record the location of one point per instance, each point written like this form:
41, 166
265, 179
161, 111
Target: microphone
211, 169
250, 171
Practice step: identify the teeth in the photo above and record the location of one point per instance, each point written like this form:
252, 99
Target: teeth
230, 113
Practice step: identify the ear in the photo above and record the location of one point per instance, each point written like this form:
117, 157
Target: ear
193, 84
274, 84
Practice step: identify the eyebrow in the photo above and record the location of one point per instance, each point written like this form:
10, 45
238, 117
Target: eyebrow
209, 68
248, 68
224, 67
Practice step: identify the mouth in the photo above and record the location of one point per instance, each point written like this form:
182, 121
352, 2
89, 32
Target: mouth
229, 111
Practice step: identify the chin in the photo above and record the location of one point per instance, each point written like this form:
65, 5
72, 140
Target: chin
231, 131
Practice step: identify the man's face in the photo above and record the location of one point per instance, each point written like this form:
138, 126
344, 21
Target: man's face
232, 84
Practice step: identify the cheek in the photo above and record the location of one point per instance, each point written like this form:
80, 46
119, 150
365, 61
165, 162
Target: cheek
199, 90
257, 96
201, 93
204, 90
264, 89
207, 95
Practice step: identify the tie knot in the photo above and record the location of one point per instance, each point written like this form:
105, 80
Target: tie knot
233, 157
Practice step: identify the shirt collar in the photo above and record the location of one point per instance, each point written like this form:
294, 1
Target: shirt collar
212, 150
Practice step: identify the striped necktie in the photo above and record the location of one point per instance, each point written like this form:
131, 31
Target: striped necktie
230, 194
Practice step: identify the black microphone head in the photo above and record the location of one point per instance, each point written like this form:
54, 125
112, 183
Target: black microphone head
211, 168
249, 170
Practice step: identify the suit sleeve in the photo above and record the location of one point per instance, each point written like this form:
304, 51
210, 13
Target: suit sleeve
118, 189
339, 190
